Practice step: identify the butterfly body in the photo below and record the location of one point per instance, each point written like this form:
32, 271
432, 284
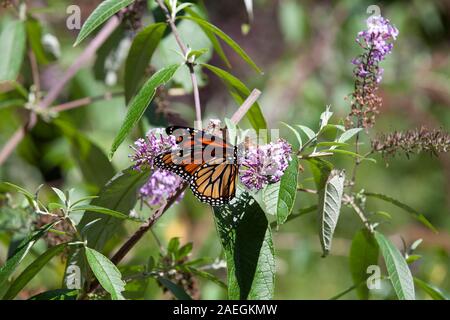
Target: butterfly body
207, 162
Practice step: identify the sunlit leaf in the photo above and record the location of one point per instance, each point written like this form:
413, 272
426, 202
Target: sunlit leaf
106, 273
140, 55
103, 12
205, 24
30, 272
140, 102
399, 273
330, 198
12, 39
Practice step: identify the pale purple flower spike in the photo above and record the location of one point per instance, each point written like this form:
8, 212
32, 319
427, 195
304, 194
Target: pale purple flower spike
264, 164
378, 39
161, 184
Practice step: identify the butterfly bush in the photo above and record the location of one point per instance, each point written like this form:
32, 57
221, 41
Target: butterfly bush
264, 164
161, 184
377, 42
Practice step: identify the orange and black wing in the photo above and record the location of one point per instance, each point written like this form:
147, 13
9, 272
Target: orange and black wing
185, 169
215, 183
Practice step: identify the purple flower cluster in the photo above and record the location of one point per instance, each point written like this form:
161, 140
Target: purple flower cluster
145, 150
377, 40
264, 164
162, 184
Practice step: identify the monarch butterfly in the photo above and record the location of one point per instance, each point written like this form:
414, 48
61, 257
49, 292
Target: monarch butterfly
205, 161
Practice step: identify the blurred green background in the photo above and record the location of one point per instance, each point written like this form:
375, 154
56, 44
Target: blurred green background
305, 49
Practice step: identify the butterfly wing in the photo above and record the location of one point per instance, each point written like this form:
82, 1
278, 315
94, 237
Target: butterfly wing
215, 182
207, 162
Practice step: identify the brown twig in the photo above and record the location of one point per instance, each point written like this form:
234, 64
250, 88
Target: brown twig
246, 105
184, 51
88, 52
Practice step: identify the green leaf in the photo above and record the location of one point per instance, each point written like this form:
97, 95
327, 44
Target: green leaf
12, 39
347, 135
363, 253
140, 55
92, 161
119, 194
207, 276
32, 270
28, 195
210, 27
411, 258
330, 198
432, 291
296, 134
20, 252
279, 198
247, 241
61, 195
350, 153
399, 273
58, 294
212, 38
103, 12
309, 133
109, 212
332, 144
106, 273
321, 169
177, 291
240, 92
420, 217
140, 102
34, 36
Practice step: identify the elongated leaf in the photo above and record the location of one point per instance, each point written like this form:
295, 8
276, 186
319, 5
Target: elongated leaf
103, 12
32, 270
205, 24
296, 134
241, 92
247, 241
19, 254
363, 253
34, 36
208, 276
58, 294
279, 198
106, 273
177, 291
351, 154
140, 102
109, 212
92, 161
399, 273
420, 217
329, 208
309, 133
347, 135
140, 55
432, 291
12, 39
212, 38
321, 169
